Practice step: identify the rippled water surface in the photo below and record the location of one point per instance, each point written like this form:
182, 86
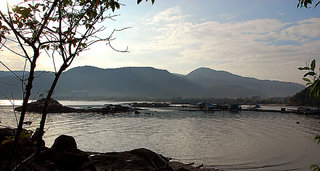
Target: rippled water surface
233, 141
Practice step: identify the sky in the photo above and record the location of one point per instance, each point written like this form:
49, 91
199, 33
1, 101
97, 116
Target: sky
263, 39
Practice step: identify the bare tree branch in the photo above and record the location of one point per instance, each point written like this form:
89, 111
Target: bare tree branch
15, 75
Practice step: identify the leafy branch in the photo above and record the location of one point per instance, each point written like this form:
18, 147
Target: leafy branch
306, 3
312, 78
62, 29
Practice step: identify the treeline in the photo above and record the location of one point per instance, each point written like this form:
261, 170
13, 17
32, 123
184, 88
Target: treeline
182, 100
243, 101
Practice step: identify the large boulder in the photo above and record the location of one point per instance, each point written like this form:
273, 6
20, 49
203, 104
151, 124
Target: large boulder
64, 154
65, 143
138, 159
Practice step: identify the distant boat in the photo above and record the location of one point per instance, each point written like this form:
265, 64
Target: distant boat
150, 104
224, 106
211, 107
308, 110
235, 107
254, 107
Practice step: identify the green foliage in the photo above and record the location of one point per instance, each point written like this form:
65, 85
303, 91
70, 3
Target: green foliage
314, 81
306, 3
24, 134
317, 139
3, 30
312, 78
30, 19
304, 98
60, 28
314, 167
138, 1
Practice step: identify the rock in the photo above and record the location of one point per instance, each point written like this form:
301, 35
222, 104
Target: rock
24, 146
155, 159
53, 107
178, 166
4, 132
138, 159
65, 143
64, 154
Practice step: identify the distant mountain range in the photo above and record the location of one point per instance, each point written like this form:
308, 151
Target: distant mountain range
89, 82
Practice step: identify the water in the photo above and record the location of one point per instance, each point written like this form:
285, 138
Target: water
234, 141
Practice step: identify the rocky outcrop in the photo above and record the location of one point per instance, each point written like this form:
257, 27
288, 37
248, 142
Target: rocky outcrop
55, 107
64, 155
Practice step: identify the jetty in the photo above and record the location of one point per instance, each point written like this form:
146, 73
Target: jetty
208, 107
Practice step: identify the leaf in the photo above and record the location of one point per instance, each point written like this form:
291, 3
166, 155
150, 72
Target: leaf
20, 25
309, 73
6, 141
113, 8
117, 5
37, 5
138, 1
306, 2
304, 68
306, 79
314, 167
317, 139
313, 64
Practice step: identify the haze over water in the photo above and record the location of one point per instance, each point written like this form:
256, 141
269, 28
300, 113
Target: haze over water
233, 141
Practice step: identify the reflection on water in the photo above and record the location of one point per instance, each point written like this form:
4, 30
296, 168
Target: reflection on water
235, 141
10, 102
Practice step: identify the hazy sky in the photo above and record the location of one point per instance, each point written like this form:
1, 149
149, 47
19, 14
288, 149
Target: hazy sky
265, 39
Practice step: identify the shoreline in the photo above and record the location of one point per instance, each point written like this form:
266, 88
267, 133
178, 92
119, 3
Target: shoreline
56, 107
64, 155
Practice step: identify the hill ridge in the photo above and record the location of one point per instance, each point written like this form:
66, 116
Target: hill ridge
148, 82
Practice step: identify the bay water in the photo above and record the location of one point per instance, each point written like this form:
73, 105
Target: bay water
244, 140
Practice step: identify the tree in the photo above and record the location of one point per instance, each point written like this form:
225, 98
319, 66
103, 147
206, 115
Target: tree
312, 76
306, 3
59, 28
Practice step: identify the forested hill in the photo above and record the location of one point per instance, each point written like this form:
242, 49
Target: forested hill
213, 79
146, 82
304, 98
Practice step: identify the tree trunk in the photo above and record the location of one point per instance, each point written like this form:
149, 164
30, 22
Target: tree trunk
45, 108
23, 111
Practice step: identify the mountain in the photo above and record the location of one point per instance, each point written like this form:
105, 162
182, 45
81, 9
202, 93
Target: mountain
218, 81
11, 86
126, 82
89, 82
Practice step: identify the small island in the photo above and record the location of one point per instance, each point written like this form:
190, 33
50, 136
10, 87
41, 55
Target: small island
55, 107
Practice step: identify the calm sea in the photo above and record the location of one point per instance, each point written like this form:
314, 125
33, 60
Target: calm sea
234, 141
